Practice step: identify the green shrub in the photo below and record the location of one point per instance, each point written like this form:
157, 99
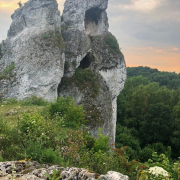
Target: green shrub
83, 78
112, 43
30, 123
145, 154
1, 159
34, 100
101, 143
65, 107
7, 73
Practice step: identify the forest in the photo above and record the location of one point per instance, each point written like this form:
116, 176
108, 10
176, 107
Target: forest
149, 113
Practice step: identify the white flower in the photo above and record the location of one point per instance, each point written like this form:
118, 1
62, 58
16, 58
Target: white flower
158, 171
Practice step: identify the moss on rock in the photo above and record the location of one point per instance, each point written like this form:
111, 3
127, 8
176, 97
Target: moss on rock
82, 78
7, 73
54, 38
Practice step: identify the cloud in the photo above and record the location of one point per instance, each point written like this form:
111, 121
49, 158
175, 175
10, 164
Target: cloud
142, 5
151, 27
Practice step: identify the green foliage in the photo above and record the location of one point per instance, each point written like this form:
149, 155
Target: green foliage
65, 107
30, 123
101, 143
1, 159
34, 100
145, 153
152, 111
55, 176
7, 73
83, 78
54, 38
157, 124
112, 43
125, 137
168, 79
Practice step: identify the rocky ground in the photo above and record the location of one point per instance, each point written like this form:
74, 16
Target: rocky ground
32, 170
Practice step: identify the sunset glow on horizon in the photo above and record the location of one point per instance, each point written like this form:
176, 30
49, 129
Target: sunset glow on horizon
148, 32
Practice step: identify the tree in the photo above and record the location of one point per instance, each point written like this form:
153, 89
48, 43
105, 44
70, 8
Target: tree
157, 125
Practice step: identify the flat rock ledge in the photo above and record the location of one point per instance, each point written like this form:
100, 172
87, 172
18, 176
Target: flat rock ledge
32, 170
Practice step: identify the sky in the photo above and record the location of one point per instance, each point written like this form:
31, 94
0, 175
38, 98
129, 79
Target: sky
148, 31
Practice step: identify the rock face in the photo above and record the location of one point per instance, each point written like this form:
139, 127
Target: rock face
95, 69
33, 58
32, 170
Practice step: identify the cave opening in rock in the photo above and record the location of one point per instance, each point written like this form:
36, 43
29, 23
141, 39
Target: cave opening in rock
86, 61
92, 20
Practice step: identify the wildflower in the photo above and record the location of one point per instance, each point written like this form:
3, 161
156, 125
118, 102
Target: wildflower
158, 171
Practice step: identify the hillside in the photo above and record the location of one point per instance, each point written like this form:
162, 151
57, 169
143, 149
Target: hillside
169, 79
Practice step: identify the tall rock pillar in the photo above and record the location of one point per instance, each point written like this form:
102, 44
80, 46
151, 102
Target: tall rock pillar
95, 69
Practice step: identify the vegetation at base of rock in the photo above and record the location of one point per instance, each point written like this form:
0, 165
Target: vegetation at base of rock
83, 78
112, 43
55, 38
1, 54
34, 100
65, 107
41, 135
7, 73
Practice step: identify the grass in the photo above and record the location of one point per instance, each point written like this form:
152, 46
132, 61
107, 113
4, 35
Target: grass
17, 110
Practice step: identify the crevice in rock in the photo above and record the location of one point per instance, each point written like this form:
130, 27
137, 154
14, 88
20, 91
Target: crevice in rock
92, 21
86, 61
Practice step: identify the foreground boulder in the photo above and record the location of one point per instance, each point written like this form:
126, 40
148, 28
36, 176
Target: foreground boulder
33, 58
32, 170
95, 69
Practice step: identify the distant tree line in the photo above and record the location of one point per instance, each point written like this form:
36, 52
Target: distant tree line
169, 79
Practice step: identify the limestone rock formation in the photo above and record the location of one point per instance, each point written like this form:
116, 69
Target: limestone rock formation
32, 61
33, 57
32, 170
95, 69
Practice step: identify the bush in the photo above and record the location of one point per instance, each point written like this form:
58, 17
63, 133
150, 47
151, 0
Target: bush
65, 107
112, 43
145, 154
34, 100
101, 143
30, 123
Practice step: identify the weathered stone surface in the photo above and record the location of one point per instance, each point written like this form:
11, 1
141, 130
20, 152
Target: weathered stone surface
90, 46
112, 175
32, 170
33, 58
80, 19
